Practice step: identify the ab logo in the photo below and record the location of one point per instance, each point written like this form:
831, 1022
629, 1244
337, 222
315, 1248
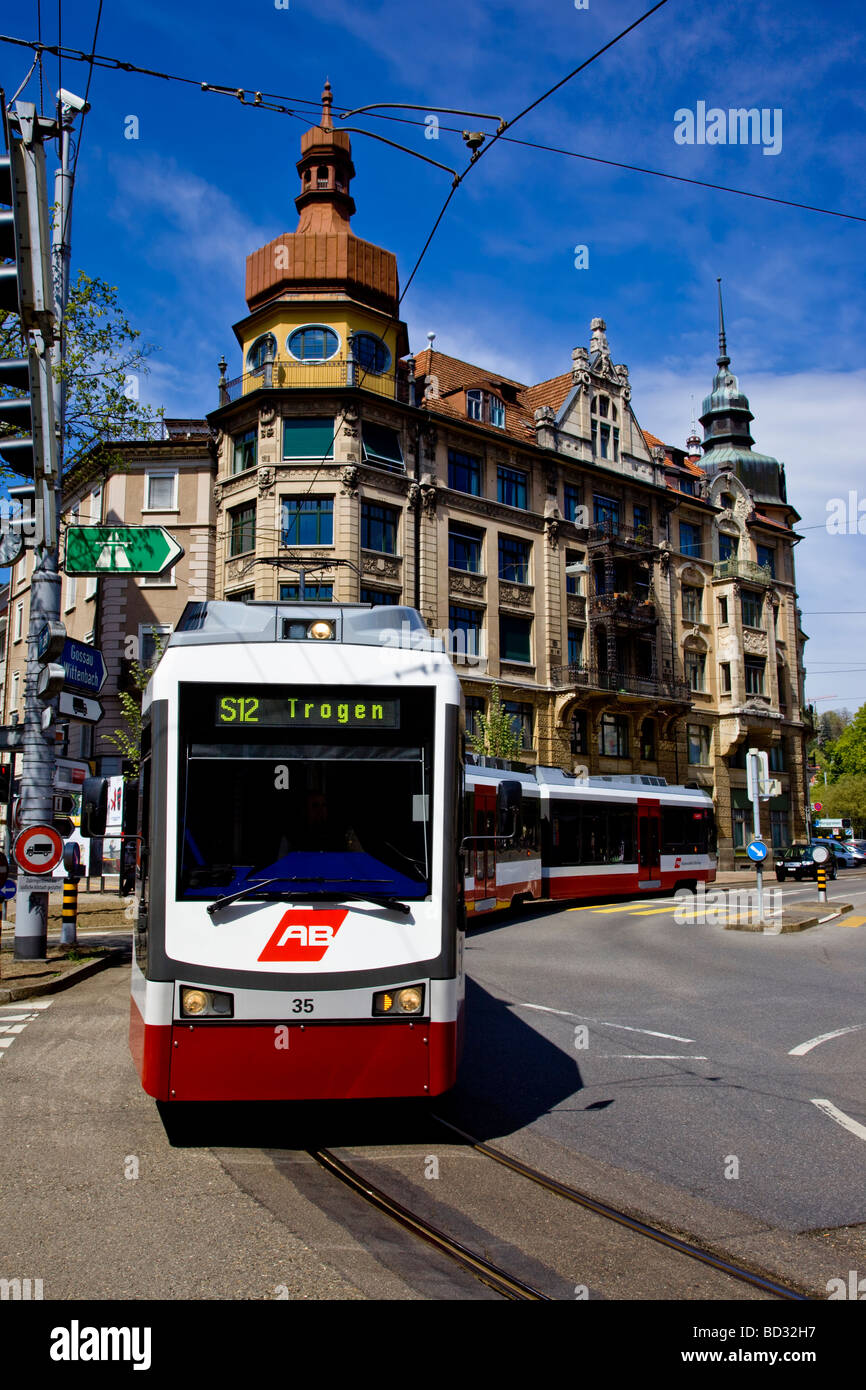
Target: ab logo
303, 936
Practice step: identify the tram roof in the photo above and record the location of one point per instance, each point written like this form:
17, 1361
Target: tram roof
218, 621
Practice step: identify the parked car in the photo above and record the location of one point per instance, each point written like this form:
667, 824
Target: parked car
796, 862
844, 853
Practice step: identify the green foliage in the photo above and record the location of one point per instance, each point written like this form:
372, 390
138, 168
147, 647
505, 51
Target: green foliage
103, 364
128, 741
494, 735
846, 756
847, 797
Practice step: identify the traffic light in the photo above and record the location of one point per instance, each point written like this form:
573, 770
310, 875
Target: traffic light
5, 783
94, 807
26, 289
64, 805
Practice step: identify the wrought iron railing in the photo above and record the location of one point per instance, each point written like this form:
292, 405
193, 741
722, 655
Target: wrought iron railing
623, 605
284, 373
632, 537
589, 678
736, 568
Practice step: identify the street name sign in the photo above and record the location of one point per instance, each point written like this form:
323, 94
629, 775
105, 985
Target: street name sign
95, 550
79, 707
84, 666
39, 883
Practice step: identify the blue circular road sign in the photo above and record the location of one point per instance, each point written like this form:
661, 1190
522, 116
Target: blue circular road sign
757, 850
9, 889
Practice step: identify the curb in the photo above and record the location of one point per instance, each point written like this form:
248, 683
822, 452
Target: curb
72, 977
786, 928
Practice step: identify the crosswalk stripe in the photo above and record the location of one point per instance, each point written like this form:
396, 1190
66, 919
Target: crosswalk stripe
6, 1042
853, 922
651, 911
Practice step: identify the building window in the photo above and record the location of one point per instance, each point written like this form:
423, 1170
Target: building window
311, 593
575, 646
465, 631
314, 343
262, 350
241, 596
473, 706
648, 740
574, 582
379, 527
16, 692
311, 437
19, 622
727, 546
511, 487
371, 353
738, 826
147, 639
779, 829
497, 412
776, 757
686, 485
725, 681
695, 666
486, 408
613, 736
641, 518
244, 451
464, 472
515, 638
382, 597
605, 513
166, 580
754, 676
723, 612
243, 529
475, 405
381, 446
692, 604
605, 436
699, 744
308, 521
521, 720
579, 742
781, 686
752, 608
572, 502
514, 557
767, 558
690, 539
161, 492
464, 548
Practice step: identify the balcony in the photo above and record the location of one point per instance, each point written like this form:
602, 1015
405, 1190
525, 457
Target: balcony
742, 569
620, 682
637, 540
624, 608
287, 374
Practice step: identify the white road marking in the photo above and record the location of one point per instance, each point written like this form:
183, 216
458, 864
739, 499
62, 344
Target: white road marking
13, 1027
841, 1118
602, 1023
31, 1004
16, 1021
656, 1056
6, 1042
803, 1048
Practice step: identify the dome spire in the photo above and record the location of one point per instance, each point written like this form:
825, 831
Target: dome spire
327, 102
325, 203
723, 359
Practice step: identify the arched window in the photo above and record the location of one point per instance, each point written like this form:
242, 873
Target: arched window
263, 348
605, 436
322, 176
578, 732
313, 343
371, 353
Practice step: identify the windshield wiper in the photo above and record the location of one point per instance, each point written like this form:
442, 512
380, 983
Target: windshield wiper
381, 900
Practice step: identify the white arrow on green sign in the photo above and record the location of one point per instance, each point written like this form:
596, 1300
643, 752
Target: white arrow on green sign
95, 550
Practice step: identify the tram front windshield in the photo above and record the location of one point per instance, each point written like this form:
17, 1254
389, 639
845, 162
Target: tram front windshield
321, 792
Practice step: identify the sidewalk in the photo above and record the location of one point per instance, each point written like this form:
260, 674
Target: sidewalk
98, 913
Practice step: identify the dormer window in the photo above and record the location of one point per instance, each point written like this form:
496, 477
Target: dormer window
486, 408
605, 436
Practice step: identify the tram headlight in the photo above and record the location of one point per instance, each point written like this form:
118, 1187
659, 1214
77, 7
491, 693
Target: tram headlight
205, 1003
322, 630
402, 1003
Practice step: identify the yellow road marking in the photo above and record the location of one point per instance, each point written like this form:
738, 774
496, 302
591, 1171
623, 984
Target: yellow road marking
853, 922
652, 911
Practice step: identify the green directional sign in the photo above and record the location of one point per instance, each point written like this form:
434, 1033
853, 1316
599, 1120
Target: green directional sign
94, 550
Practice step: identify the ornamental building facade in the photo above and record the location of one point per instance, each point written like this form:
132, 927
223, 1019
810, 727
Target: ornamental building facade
635, 603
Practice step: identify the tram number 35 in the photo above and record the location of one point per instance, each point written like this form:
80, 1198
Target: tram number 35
302, 1006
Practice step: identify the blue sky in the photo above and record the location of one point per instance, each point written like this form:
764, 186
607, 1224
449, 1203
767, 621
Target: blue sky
170, 217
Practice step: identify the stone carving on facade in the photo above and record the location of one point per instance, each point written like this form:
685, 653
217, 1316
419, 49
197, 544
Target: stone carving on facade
517, 595
755, 642
598, 344
466, 585
217, 436
350, 422
266, 482
349, 480
386, 566
545, 427
576, 605
664, 558
218, 494
552, 519
267, 415
429, 490
580, 367
413, 496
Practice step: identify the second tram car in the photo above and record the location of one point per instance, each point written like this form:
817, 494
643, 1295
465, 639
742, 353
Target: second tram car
299, 932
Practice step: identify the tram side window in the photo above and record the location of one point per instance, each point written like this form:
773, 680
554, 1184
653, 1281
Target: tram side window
593, 833
529, 836
686, 830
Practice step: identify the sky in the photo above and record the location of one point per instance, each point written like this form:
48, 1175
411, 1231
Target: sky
169, 216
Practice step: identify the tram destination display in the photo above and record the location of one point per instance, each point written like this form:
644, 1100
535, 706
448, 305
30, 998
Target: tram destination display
295, 712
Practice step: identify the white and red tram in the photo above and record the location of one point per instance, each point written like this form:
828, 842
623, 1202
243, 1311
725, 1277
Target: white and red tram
299, 933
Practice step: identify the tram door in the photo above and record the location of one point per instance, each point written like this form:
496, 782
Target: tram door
649, 844
485, 848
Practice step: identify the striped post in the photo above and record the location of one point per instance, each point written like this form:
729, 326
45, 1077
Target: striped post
70, 912
822, 884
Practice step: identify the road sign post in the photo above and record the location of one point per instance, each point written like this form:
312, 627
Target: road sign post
821, 854
95, 550
757, 775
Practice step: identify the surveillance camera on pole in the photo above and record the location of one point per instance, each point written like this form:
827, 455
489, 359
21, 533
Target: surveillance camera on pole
74, 103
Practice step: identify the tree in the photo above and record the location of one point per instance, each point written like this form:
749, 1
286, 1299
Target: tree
847, 756
847, 797
103, 364
495, 735
128, 741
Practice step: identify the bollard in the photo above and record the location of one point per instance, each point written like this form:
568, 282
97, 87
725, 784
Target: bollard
70, 912
822, 884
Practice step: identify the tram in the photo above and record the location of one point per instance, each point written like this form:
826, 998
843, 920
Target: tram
571, 837
298, 932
